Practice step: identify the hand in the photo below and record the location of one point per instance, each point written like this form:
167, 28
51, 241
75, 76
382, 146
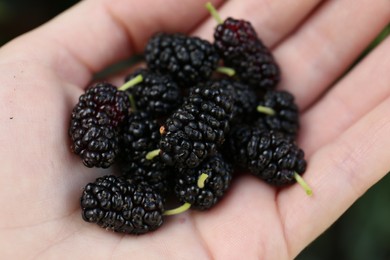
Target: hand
345, 126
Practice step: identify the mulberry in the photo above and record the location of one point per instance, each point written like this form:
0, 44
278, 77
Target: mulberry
279, 113
240, 48
188, 60
245, 99
116, 204
95, 124
157, 94
140, 135
274, 158
198, 127
219, 175
150, 172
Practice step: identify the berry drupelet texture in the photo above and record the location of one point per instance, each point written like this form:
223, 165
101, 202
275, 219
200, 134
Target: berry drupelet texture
198, 127
116, 204
245, 100
284, 114
187, 59
151, 173
219, 176
157, 94
96, 122
140, 135
234, 149
274, 158
241, 49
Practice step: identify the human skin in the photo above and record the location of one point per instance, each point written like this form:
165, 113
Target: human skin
344, 128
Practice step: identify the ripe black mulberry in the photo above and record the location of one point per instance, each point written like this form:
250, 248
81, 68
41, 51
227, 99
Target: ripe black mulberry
96, 123
273, 157
116, 204
198, 127
188, 60
219, 176
157, 94
283, 115
245, 100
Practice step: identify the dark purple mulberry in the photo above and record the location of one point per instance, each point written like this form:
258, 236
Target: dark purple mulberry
116, 204
157, 94
140, 135
274, 158
216, 184
96, 123
280, 113
151, 173
245, 99
188, 60
198, 127
241, 49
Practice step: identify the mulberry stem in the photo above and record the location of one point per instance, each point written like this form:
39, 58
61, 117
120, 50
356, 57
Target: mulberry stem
226, 70
150, 155
202, 178
213, 12
304, 185
186, 205
134, 81
132, 102
177, 210
265, 110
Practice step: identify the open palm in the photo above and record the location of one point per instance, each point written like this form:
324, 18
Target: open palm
344, 131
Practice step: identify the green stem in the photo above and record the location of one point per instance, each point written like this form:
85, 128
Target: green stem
134, 81
226, 70
265, 110
150, 155
177, 210
132, 102
214, 13
202, 178
303, 184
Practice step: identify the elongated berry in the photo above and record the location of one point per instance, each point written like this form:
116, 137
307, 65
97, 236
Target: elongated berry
127, 207
96, 122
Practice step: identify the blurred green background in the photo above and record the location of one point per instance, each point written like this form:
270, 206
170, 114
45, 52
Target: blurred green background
362, 233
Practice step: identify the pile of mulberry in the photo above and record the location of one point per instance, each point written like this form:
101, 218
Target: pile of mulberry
184, 123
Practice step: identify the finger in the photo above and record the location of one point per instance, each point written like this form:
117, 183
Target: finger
273, 20
319, 52
361, 90
94, 34
339, 173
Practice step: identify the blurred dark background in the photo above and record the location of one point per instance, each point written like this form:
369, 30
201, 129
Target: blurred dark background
18, 16
362, 233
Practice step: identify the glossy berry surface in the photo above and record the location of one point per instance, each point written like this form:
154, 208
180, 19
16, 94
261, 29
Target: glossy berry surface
96, 122
188, 60
116, 204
